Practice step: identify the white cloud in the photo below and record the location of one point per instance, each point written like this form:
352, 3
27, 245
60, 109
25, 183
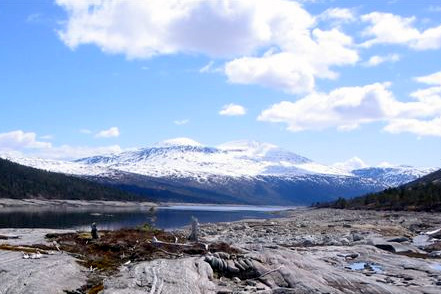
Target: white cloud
227, 29
349, 107
430, 96
415, 126
350, 164
377, 59
284, 71
167, 27
344, 15
19, 143
432, 79
232, 110
181, 122
112, 132
19, 139
207, 67
388, 28
294, 71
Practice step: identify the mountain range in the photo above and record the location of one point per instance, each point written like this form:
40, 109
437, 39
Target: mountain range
248, 172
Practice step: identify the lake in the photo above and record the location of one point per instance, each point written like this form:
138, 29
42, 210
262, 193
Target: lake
167, 217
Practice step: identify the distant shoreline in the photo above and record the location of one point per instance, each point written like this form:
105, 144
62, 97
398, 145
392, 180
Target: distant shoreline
80, 204
11, 204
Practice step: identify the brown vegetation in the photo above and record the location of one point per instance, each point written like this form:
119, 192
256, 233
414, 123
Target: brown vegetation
103, 256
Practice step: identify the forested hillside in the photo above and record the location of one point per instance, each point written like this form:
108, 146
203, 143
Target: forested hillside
20, 182
423, 194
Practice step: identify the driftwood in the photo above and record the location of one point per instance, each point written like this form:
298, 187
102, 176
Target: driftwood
156, 241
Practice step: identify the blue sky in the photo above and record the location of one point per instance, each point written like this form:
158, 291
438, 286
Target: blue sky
329, 80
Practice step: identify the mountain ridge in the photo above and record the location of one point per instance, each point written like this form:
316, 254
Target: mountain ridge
238, 172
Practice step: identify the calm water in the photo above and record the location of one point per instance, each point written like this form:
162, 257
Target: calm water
164, 217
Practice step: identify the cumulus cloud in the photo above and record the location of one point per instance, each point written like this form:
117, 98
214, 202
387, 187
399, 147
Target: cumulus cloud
181, 122
343, 15
232, 110
16, 140
429, 96
112, 132
432, 79
349, 107
377, 59
415, 126
236, 30
388, 28
295, 69
167, 27
351, 164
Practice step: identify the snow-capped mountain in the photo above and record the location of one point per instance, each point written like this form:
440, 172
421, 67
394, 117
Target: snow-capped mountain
185, 158
242, 171
388, 174
394, 175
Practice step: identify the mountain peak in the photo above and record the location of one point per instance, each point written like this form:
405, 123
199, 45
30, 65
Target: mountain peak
178, 142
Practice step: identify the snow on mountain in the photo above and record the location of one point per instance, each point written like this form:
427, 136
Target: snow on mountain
388, 174
66, 167
392, 176
184, 158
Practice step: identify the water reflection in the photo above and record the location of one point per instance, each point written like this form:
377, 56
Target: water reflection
114, 218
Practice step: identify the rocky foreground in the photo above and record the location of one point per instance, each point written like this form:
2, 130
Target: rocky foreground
309, 251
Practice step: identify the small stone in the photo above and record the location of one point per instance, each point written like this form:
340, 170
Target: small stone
236, 280
399, 239
357, 237
251, 283
389, 280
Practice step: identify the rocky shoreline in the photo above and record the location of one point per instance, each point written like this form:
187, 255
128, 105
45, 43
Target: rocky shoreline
308, 251
8, 204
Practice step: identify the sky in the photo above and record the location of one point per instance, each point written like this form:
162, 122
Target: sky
329, 80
